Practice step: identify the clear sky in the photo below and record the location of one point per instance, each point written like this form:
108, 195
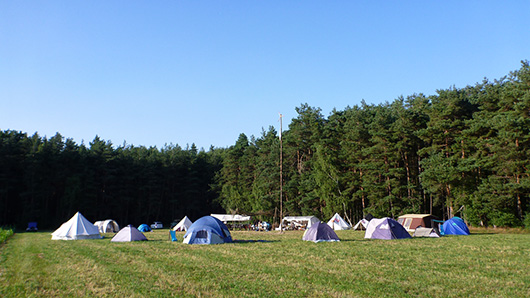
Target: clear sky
183, 72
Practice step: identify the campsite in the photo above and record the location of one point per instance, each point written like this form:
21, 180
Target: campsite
268, 264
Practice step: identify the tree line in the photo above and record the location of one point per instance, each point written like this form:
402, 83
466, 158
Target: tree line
48, 180
463, 151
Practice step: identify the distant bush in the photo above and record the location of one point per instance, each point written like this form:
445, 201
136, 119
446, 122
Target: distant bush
4, 234
503, 219
526, 221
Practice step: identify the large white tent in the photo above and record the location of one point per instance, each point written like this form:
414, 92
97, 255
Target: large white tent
183, 225
337, 223
78, 227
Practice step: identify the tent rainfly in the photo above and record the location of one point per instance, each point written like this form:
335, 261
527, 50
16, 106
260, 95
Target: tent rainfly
183, 225
144, 228
207, 230
319, 232
455, 226
107, 226
385, 228
127, 234
78, 227
337, 223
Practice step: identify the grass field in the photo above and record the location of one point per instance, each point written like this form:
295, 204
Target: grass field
484, 264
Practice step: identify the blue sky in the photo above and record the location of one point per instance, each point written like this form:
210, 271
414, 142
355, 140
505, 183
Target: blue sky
158, 72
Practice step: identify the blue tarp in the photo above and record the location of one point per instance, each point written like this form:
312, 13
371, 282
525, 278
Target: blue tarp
455, 226
144, 228
207, 230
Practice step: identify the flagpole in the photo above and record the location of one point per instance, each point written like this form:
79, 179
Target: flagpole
281, 176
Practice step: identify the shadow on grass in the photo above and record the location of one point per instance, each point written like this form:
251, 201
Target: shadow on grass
255, 241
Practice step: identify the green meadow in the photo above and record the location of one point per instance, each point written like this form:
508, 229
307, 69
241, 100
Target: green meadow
268, 264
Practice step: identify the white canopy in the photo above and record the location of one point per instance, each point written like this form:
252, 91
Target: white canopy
183, 225
229, 217
337, 223
309, 220
78, 227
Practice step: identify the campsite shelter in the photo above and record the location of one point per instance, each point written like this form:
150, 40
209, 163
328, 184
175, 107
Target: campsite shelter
144, 228
127, 234
183, 225
78, 227
299, 222
361, 225
337, 223
455, 226
411, 221
207, 230
233, 221
320, 232
231, 217
385, 228
107, 226
426, 232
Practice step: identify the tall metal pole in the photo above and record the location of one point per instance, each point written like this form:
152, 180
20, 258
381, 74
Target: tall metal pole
281, 176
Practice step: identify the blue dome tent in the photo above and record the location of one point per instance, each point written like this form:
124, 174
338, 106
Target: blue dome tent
207, 230
455, 226
144, 228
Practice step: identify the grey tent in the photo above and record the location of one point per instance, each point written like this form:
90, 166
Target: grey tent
426, 232
127, 234
320, 232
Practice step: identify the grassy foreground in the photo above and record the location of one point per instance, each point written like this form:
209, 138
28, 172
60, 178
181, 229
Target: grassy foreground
279, 265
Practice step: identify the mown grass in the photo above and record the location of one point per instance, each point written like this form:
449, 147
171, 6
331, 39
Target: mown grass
484, 264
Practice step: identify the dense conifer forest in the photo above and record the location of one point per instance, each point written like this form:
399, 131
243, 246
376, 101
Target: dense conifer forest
463, 151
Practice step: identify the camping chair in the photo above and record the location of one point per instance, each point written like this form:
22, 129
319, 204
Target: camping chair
173, 235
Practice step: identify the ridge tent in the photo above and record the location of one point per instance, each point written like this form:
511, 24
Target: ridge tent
455, 226
385, 228
127, 234
320, 232
78, 227
207, 230
411, 221
425, 232
361, 225
107, 226
337, 223
144, 228
183, 225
